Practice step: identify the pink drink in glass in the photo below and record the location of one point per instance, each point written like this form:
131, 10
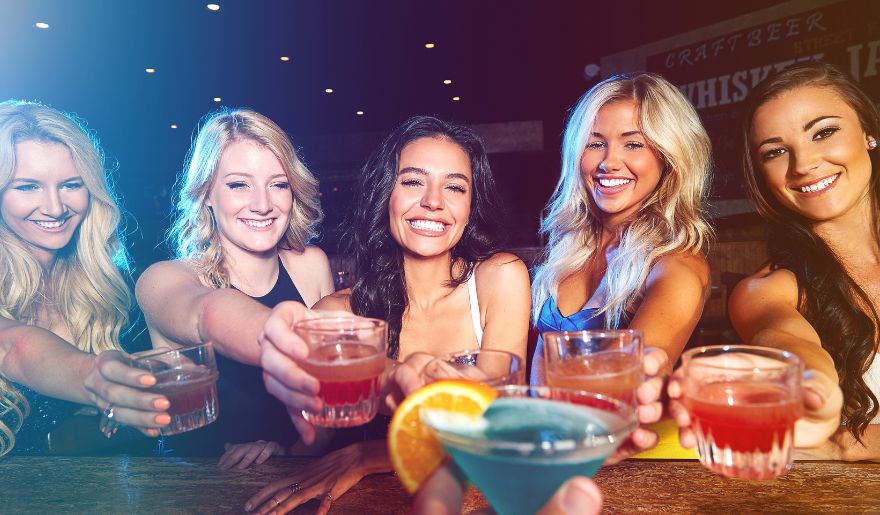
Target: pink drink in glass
347, 357
743, 403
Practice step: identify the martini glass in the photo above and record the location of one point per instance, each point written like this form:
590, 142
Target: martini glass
531, 440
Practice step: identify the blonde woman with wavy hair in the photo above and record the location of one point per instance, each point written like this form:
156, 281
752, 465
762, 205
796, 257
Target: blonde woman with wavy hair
247, 208
63, 295
626, 227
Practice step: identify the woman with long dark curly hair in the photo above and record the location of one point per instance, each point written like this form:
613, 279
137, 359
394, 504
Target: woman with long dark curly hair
809, 143
425, 235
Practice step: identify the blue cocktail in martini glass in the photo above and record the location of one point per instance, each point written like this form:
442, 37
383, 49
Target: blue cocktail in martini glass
531, 440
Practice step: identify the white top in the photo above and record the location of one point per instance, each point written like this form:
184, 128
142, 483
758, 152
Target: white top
872, 379
475, 307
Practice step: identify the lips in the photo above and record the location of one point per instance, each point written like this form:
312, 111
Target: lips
818, 186
427, 227
258, 225
52, 225
611, 184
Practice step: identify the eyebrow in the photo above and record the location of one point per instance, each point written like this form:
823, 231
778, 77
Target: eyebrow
422, 171
244, 174
807, 126
35, 181
624, 134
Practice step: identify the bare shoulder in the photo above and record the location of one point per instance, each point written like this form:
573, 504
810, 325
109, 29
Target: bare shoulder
502, 266
682, 267
163, 273
763, 287
338, 301
311, 257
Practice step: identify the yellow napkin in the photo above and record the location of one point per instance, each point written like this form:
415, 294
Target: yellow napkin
668, 447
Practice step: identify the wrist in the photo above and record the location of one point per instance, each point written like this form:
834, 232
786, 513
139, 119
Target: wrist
374, 457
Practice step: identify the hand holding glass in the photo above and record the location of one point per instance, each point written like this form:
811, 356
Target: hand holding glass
487, 366
187, 377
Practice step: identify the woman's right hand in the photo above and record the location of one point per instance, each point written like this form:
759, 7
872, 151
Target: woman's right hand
113, 384
282, 376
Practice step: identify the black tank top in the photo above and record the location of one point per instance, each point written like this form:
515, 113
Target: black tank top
247, 412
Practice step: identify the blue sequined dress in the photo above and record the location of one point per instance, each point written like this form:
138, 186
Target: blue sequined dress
45, 414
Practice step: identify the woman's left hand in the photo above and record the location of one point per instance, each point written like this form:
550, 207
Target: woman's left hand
242, 455
650, 409
327, 479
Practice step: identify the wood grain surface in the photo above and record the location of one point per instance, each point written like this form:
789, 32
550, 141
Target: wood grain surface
196, 485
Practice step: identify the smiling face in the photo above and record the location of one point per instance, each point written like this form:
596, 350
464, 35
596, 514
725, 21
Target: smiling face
618, 166
431, 199
250, 197
812, 151
46, 200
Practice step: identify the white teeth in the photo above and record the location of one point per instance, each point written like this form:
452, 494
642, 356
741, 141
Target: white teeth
259, 224
819, 186
610, 183
426, 225
49, 225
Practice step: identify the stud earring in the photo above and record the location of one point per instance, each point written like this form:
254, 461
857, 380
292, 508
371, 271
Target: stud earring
872, 144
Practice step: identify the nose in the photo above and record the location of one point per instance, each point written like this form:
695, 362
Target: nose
803, 161
53, 205
611, 162
432, 198
260, 201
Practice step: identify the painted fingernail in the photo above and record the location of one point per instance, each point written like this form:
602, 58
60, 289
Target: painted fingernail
163, 419
147, 380
162, 404
152, 432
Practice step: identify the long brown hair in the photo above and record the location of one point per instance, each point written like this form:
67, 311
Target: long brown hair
838, 309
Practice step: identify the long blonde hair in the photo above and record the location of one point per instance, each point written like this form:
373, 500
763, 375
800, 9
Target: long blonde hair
87, 282
13, 410
193, 234
671, 220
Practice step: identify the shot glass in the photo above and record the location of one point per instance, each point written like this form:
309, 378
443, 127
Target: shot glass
743, 402
490, 367
347, 357
187, 377
600, 361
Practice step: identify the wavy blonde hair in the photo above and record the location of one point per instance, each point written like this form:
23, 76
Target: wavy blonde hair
193, 234
671, 220
86, 277
13, 406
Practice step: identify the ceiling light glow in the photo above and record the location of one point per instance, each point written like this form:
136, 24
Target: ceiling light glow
285, 58
456, 99
217, 99
213, 7
173, 125
328, 90
447, 82
360, 113
41, 25
150, 70
429, 45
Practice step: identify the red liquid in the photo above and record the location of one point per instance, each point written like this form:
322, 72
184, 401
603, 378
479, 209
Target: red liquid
615, 374
187, 390
745, 417
349, 373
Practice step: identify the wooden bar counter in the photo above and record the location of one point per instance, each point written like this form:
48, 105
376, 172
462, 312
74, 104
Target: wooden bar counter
196, 485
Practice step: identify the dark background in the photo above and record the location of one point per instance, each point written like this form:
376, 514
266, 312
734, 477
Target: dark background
509, 60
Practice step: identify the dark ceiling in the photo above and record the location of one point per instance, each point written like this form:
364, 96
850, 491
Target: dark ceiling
508, 60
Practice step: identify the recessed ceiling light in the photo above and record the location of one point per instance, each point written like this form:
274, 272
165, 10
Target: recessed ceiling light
173, 125
41, 25
360, 113
328, 90
447, 82
429, 45
285, 58
217, 99
150, 70
213, 7
456, 99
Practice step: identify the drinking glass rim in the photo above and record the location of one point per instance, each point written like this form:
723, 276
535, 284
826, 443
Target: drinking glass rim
152, 353
531, 449
465, 352
785, 359
598, 333
356, 323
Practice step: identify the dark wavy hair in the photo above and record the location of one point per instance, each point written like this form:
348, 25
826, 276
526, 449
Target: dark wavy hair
838, 309
379, 290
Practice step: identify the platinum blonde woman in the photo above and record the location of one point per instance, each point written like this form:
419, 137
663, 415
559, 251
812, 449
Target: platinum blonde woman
626, 227
63, 295
247, 210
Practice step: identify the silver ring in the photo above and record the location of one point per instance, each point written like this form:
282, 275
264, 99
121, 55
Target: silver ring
294, 488
277, 502
108, 412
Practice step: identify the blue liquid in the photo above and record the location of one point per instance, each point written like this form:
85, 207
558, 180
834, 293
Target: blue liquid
545, 446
